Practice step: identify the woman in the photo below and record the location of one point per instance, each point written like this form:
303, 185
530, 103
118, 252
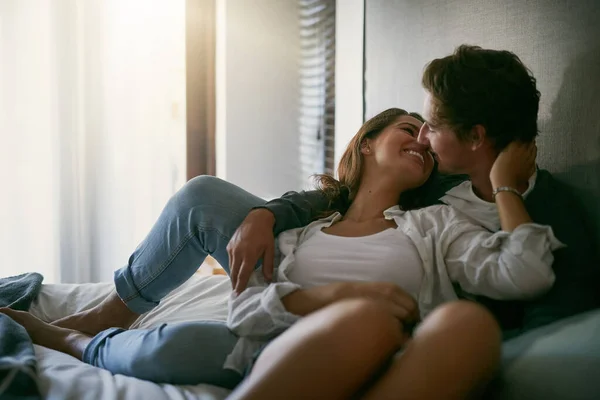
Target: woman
335, 352
379, 168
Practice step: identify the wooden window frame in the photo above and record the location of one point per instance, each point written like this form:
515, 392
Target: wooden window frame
200, 35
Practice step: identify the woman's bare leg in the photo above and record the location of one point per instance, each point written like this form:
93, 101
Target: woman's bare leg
333, 353
453, 355
318, 358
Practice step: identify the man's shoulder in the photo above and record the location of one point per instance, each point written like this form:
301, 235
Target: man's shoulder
543, 182
438, 185
551, 195
555, 203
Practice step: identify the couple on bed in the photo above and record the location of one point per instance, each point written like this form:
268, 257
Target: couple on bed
365, 299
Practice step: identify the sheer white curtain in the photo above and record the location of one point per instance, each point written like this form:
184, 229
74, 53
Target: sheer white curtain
92, 131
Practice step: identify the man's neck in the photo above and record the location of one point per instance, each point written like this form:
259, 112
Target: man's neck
480, 174
482, 186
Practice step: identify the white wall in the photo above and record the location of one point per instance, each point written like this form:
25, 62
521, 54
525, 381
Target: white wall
350, 19
257, 95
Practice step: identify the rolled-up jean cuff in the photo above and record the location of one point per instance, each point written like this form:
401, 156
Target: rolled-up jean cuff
91, 350
129, 293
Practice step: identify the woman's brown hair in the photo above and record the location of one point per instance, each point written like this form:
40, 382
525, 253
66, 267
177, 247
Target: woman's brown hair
342, 191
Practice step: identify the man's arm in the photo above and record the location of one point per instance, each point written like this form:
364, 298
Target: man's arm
255, 237
296, 209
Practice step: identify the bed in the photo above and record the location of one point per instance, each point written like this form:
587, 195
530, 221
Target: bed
64, 377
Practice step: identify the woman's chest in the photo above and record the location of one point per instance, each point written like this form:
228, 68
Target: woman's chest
353, 229
386, 256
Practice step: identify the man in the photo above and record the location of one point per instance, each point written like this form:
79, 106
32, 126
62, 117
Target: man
477, 102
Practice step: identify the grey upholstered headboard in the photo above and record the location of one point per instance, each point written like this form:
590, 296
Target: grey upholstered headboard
559, 40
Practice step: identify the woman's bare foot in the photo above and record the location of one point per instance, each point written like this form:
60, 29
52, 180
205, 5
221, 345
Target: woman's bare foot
61, 339
111, 313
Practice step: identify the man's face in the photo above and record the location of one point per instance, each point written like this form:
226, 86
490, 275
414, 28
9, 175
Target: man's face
452, 155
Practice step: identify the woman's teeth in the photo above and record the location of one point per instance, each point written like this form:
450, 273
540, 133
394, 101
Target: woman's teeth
414, 153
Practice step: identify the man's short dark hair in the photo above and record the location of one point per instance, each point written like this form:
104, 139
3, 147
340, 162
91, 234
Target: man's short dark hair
487, 87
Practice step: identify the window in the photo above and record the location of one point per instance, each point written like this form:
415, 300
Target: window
317, 87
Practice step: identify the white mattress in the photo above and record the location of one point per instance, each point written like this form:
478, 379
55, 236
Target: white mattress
64, 377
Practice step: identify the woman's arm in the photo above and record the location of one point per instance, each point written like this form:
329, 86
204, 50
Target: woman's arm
265, 311
259, 313
401, 304
305, 301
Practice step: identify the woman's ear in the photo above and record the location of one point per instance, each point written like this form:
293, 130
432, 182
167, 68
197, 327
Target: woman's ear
478, 136
365, 146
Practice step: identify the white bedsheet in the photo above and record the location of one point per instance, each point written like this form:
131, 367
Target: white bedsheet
64, 377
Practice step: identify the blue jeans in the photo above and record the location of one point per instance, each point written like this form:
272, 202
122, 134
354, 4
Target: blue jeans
198, 220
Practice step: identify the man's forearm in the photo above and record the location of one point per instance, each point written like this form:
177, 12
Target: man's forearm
512, 211
296, 209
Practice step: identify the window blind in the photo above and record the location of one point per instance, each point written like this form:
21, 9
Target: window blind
317, 87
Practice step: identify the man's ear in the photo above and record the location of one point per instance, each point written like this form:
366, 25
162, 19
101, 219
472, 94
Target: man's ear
478, 136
